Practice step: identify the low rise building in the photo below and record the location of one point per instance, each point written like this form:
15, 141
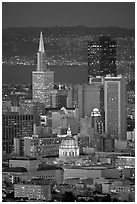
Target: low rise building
119, 188
42, 147
34, 190
31, 164
126, 161
91, 172
17, 174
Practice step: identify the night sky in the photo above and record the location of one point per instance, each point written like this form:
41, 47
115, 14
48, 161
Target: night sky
92, 14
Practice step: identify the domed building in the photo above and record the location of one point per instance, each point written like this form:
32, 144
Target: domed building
95, 112
69, 146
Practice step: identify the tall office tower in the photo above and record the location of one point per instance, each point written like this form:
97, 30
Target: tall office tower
42, 79
101, 57
15, 126
89, 97
62, 98
115, 107
72, 98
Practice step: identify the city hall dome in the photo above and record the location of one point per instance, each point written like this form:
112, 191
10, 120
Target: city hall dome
68, 146
95, 112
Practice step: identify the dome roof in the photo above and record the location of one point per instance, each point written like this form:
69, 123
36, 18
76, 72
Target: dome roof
95, 112
68, 142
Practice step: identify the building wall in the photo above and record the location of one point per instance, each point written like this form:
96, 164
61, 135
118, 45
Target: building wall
91, 173
30, 165
72, 98
115, 107
53, 174
43, 83
120, 145
17, 146
54, 99
62, 120
26, 107
88, 99
105, 188
59, 120
33, 191
119, 189
82, 173
68, 152
110, 173
6, 106
126, 161
38, 110
15, 126
62, 98
42, 147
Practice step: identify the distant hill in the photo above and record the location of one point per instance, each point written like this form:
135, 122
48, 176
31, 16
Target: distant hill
24, 41
76, 30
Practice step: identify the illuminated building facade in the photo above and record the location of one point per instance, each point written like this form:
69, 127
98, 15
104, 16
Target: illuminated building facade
41, 147
101, 57
26, 107
15, 126
33, 191
115, 107
42, 79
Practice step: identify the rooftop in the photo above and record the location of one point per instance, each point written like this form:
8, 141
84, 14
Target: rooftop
15, 169
37, 181
23, 158
43, 167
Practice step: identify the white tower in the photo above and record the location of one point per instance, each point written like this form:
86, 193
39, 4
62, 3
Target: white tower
42, 78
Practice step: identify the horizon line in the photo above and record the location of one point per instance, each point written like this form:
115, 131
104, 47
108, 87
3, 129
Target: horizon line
61, 26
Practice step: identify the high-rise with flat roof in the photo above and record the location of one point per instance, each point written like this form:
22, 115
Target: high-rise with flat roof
101, 57
115, 107
15, 126
42, 78
89, 97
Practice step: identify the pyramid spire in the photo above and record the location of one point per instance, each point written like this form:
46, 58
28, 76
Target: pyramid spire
41, 43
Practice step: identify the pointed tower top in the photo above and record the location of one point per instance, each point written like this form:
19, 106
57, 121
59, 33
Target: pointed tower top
41, 43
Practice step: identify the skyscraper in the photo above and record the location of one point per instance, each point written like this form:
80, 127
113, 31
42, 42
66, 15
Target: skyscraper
72, 98
15, 126
42, 79
89, 97
101, 57
41, 56
115, 107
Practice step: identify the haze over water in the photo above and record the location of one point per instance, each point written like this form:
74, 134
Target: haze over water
18, 74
